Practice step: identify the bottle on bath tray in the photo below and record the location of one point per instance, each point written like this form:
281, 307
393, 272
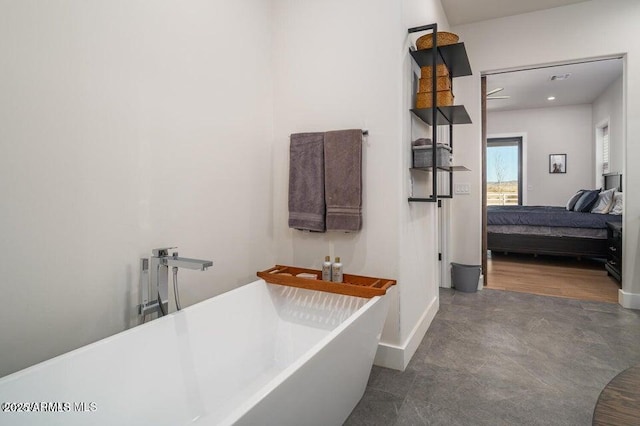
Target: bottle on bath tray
336, 271
326, 269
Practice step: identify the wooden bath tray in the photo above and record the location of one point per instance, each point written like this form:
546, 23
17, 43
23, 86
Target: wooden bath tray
353, 285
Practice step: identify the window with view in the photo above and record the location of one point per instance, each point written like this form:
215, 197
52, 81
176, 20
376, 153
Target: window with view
605, 149
504, 172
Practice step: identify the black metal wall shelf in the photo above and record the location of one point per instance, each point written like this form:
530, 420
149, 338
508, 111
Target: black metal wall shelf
454, 56
422, 200
429, 200
455, 114
443, 168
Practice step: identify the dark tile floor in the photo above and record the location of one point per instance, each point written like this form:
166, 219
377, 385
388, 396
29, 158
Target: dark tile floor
505, 358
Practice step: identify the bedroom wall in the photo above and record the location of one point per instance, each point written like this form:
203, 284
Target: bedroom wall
126, 126
549, 37
556, 130
609, 105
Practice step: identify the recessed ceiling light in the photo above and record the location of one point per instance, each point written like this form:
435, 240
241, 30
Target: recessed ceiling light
551, 98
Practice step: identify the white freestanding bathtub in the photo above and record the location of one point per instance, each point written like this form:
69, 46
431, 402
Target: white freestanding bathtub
262, 354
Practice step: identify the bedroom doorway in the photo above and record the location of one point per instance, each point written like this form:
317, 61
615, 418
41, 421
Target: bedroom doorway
552, 109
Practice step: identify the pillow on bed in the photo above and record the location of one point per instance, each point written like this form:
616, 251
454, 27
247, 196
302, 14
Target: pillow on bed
586, 201
604, 202
574, 199
616, 207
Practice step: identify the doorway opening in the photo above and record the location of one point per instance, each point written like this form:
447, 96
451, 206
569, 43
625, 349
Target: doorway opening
540, 114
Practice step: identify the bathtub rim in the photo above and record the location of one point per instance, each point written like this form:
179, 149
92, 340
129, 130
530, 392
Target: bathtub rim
239, 411
261, 394
136, 328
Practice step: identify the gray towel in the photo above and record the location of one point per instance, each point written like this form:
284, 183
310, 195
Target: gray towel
343, 179
306, 182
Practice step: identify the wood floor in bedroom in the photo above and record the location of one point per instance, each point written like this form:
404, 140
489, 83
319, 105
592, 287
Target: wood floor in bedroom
584, 279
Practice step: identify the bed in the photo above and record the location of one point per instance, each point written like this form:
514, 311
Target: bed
550, 230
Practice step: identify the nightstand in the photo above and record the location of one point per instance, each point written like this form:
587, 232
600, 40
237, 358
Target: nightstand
614, 250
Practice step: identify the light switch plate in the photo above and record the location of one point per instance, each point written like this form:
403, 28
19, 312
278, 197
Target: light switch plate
462, 188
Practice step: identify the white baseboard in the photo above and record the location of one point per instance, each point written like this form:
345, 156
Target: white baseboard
398, 357
629, 300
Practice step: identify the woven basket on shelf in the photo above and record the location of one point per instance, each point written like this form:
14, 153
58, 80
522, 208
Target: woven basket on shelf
441, 70
444, 38
443, 98
442, 83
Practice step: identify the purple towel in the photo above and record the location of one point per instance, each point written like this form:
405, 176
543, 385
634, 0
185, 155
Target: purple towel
306, 182
343, 179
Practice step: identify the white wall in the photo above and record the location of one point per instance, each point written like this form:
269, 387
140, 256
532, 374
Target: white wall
325, 80
344, 64
545, 37
418, 276
126, 126
557, 130
608, 106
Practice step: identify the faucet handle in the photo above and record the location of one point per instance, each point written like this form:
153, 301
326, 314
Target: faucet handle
160, 252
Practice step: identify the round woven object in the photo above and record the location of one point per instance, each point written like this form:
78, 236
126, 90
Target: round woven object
444, 38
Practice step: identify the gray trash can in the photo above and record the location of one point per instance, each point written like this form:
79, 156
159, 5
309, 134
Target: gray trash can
465, 277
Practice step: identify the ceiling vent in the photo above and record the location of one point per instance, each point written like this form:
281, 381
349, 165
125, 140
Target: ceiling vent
559, 77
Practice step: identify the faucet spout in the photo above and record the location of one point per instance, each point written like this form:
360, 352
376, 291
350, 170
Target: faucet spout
184, 262
154, 277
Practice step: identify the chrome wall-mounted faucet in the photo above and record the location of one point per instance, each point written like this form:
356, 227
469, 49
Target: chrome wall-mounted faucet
154, 274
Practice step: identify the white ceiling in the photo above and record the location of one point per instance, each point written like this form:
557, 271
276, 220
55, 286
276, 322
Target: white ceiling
531, 88
467, 11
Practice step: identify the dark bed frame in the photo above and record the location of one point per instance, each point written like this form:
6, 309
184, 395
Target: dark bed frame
541, 244
557, 246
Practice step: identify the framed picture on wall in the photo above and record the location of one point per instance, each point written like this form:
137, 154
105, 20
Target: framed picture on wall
557, 163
